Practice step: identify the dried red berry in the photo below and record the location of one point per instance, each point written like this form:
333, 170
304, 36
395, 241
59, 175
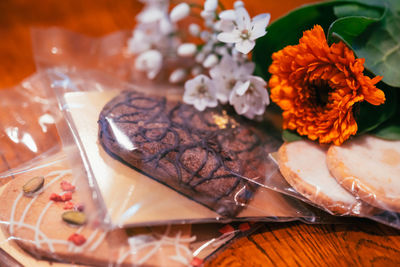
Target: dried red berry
66, 186
244, 227
77, 239
66, 196
55, 197
69, 205
226, 229
196, 262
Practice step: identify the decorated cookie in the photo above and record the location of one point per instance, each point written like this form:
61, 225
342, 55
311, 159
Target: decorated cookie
208, 156
369, 167
303, 165
42, 211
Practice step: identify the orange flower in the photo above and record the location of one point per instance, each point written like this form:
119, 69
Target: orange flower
317, 87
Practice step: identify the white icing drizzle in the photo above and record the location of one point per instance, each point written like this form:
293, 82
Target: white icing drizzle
98, 242
89, 240
37, 227
11, 229
163, 240
59, 174
183, 253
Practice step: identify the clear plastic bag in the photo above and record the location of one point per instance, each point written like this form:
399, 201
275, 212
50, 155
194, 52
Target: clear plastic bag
130, 192
49, 217
27, 125
347, 180
45, 220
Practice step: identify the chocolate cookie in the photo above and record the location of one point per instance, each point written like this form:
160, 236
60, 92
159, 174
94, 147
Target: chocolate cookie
208, 156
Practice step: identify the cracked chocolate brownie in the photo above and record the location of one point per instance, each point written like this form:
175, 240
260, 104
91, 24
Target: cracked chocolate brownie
210, 156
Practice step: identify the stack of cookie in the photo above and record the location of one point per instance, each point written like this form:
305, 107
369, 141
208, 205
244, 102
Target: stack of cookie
342, 179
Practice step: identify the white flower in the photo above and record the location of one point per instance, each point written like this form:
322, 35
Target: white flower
205, 35
227, 73
139, 42
150, 14
179, 12
207, 15
210, 61
245, 30
226, 22
150, 62
200, 92
166, 27
177, 76
210, 5
250, 98
153, 11
187, 50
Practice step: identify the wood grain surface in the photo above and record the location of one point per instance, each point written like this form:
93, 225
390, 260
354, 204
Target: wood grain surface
358, 243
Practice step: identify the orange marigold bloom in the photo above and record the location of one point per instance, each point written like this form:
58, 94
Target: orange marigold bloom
317, 85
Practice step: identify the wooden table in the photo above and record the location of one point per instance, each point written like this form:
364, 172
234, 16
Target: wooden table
362, 243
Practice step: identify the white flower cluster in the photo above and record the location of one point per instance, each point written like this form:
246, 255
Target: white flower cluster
228, 37
155, 35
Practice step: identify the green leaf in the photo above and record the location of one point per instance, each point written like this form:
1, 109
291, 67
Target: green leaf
369, 117
390, 129
348, 27
390, 132
290, 136
288, 29
352, 9
380, 46
380, 43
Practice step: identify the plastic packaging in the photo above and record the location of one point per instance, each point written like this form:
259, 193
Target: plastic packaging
135, 191
63, 49
45, 220
27, 125
356, 179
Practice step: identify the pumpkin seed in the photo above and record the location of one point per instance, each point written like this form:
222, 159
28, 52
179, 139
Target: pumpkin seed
74, 217
33, 185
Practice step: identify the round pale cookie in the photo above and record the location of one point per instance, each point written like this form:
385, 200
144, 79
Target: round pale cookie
303, 165
35, 223
369, 167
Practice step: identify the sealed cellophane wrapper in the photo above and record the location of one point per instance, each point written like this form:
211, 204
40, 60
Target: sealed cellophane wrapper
27, 125
342, 198
49, 215
359, 178
46, 222
150, 159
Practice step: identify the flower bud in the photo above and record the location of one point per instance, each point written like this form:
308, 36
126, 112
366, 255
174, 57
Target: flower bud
210, 61
194, 29
210, 5
150, 62
196, 71
179, 12
238, 4
177, 76
187, 50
